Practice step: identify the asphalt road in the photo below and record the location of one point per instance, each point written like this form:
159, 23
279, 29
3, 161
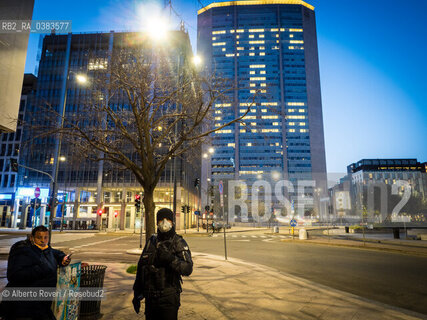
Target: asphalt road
394, 279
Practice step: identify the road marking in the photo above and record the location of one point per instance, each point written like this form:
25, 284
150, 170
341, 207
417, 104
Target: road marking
267, 240
97, 252
244, 236
244, 240
215, 235
98, 242
234, 236
282, 237
263, 236
254, 236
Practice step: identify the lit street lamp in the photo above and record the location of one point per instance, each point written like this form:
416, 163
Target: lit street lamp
197, 60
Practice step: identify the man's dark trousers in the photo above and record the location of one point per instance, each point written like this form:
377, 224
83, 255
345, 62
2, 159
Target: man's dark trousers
162, 308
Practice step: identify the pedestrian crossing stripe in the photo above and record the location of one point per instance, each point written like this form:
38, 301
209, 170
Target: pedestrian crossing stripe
269, 237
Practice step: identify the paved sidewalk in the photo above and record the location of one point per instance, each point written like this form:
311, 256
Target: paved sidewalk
220, 289
234, 289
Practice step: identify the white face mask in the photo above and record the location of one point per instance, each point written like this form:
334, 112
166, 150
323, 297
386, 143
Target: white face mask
164, 225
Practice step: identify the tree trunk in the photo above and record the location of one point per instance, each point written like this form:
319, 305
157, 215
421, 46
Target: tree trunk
149, 207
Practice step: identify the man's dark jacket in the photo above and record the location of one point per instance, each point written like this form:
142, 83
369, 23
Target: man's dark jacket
29, 266
162, 293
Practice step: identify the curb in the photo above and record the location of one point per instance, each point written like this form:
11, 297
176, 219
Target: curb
390, 250
134, 251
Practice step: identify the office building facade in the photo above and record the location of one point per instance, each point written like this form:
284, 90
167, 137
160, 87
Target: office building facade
10, 144
13, 51
374, 187
268, 50
85, 186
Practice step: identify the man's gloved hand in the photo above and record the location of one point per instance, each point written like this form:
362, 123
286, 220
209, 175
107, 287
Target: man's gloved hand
136, 301
164, 256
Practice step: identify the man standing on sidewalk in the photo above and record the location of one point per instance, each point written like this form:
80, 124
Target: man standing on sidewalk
165, 258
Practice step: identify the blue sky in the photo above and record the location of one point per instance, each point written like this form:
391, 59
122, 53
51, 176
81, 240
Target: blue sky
373, 67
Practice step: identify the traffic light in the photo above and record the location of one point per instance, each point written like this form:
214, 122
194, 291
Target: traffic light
211, 191
137, 201
14, 165
49, 205
100, 211
115, 214
183, 209
196, 182
188, 209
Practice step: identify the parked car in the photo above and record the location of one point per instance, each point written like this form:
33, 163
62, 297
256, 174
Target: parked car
219, 225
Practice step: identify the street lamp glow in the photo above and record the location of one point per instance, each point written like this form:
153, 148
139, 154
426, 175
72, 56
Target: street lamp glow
81, 78
211, 150
62, 158
157, 28
197, 60
205, 155
275, 175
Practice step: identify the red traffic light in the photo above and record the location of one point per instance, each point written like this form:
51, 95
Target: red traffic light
115, 214
100, 212
137, 197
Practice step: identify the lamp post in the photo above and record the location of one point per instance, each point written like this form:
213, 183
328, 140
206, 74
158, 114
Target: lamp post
208, 156
54, 188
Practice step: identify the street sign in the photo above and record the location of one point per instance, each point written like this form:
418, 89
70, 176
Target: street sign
37, 192
293, 223
197, 213
220, 187
221, 190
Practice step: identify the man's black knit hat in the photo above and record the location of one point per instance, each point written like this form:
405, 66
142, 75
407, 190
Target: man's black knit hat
164, 213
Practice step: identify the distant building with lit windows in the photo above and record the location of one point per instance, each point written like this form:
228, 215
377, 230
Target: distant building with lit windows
388, 171
376, 176
268, 47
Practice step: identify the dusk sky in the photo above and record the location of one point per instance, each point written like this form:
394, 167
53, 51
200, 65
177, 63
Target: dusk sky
373, 67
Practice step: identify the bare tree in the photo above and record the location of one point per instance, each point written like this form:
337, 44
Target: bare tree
145, 109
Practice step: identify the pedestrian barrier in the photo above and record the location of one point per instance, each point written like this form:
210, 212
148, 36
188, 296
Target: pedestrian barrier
303, 235
91, 277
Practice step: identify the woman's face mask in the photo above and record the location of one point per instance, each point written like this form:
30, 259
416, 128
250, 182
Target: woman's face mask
165, 225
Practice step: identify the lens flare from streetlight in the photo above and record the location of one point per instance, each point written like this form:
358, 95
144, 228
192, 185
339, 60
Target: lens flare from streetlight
81, 78
197, 60
157, 28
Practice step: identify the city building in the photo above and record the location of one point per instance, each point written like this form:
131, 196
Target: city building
10, 144
373, 179
13, 52
87, 188
267, 49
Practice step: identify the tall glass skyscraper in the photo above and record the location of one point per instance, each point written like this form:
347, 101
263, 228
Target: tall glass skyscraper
269, 49
93, 192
